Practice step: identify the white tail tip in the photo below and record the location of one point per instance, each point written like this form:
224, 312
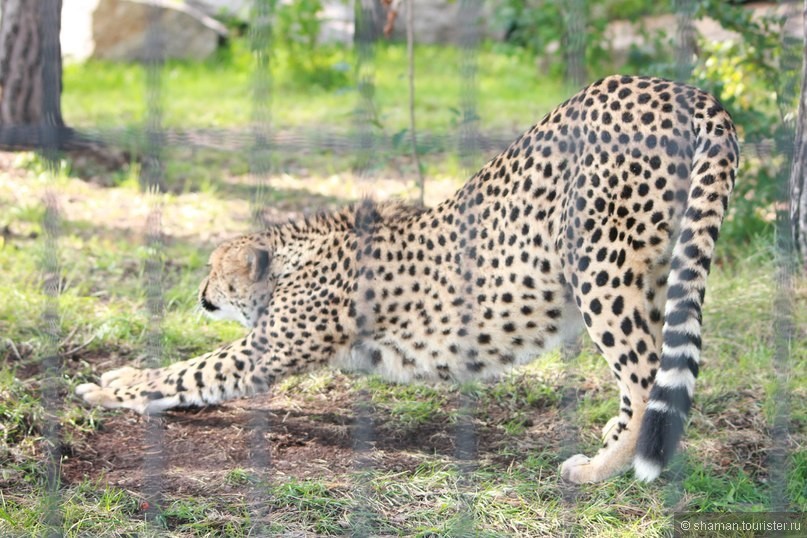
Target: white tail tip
646, 470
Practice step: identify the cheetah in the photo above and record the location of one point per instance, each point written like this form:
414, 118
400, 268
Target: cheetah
603, 217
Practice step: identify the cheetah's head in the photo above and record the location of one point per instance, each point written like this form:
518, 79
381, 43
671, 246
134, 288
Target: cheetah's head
238, 286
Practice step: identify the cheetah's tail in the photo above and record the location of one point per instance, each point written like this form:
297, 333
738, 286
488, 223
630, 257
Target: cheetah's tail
712, 179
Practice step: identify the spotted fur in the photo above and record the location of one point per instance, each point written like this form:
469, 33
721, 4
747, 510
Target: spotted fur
602, 217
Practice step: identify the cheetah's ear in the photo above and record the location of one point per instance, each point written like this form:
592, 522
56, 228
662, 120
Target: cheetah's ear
258, 262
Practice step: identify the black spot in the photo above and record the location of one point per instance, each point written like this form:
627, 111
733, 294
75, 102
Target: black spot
375, 357
618, 305
626, 326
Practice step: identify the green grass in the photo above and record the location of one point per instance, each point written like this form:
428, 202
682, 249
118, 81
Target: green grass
218, 92
510, 96
408, 405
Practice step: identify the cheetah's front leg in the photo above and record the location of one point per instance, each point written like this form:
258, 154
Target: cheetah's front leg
238, 369
131, 388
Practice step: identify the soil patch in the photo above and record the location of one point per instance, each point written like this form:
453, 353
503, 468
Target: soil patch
193, 451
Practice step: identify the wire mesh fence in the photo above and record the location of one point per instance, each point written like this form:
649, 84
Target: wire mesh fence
258, 144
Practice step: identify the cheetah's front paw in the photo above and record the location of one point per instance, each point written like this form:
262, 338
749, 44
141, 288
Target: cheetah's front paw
127, 387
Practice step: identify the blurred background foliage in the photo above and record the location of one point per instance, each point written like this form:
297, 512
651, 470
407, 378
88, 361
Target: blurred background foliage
520, 76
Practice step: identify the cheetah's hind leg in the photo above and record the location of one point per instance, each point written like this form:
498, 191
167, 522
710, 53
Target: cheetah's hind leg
622, 325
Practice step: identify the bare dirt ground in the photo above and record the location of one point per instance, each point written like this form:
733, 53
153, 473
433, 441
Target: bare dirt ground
278, 435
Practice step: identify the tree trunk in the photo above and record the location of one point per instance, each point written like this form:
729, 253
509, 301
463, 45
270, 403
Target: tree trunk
30, 62
31, 84
798, 171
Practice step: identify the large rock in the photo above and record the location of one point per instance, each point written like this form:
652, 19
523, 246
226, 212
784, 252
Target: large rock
336, 16
238, 9
76, 35
117, 29
120, 30
439, 21
621, 36
436, 21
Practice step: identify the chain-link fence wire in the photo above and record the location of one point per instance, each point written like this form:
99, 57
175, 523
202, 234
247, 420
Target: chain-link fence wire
260, 169
786, 268
260, 154
51, 271
685, 41
152, 180
574, 14
363, 432
686, 38
365, 117
465, 434
410, 53
363, 517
